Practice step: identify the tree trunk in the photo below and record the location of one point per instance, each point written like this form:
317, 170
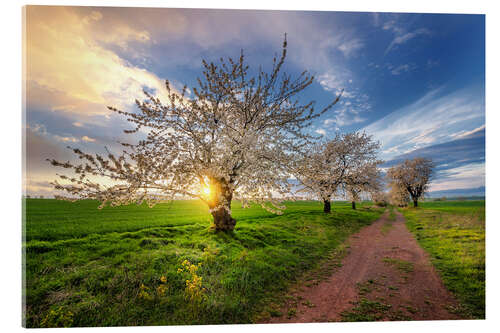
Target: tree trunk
220, 205
223, 221
354, 205
415, 202
326, 206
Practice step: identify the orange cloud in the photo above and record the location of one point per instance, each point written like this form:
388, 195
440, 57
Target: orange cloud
68, 70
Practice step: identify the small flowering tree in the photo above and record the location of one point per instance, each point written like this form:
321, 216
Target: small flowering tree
325, 168
413, 176
398, 195
379, 198
365, 178
233, 138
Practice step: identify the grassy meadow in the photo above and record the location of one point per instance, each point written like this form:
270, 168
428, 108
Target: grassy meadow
135, 265
453, 233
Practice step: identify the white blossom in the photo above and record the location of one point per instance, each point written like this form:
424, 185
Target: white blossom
348, 164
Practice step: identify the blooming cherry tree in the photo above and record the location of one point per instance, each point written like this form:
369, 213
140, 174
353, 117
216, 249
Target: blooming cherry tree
398, 195
328, 167
234, 137
413, 175
365, 177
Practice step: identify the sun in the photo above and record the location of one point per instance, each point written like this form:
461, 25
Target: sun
206, 190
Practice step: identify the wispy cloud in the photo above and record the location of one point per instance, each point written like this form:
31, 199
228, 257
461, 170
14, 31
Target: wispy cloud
467, 176
463, 134
39, 147
42, 145
37, 187
452, 154
335, 82
432, 119
401, 32
403, 68
351, 46
66, 138
343, 117
403, 38
393, 26
87, 139
352, 104
432, 63
458, 163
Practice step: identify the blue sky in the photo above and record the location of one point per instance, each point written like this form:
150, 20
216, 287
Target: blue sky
413, 81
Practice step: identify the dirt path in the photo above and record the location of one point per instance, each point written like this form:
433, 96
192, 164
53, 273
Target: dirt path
386, 275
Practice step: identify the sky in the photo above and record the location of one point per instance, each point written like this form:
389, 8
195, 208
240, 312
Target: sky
416, 82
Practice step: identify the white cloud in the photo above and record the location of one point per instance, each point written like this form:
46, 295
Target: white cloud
93, 16
432, 63
87, 139
39, 129
403, 68
71, 72
37, 187
401, 33
343, 117
310, 45
321, 131
66, 138
424, 138
352, 101
351, 46
462, 134
467, 176
329, 121
334, 82
393, 26
430, 120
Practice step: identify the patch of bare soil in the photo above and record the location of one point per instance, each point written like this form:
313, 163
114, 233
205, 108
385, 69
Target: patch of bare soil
386, 275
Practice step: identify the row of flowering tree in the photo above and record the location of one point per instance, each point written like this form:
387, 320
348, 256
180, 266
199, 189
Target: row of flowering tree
237, 136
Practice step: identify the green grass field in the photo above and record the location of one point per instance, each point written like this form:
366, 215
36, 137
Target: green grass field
123, 265
453, 233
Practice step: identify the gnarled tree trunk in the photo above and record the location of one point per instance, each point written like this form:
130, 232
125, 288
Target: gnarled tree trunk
354, 205
415, 202
220, 206
327, 206
223, 221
